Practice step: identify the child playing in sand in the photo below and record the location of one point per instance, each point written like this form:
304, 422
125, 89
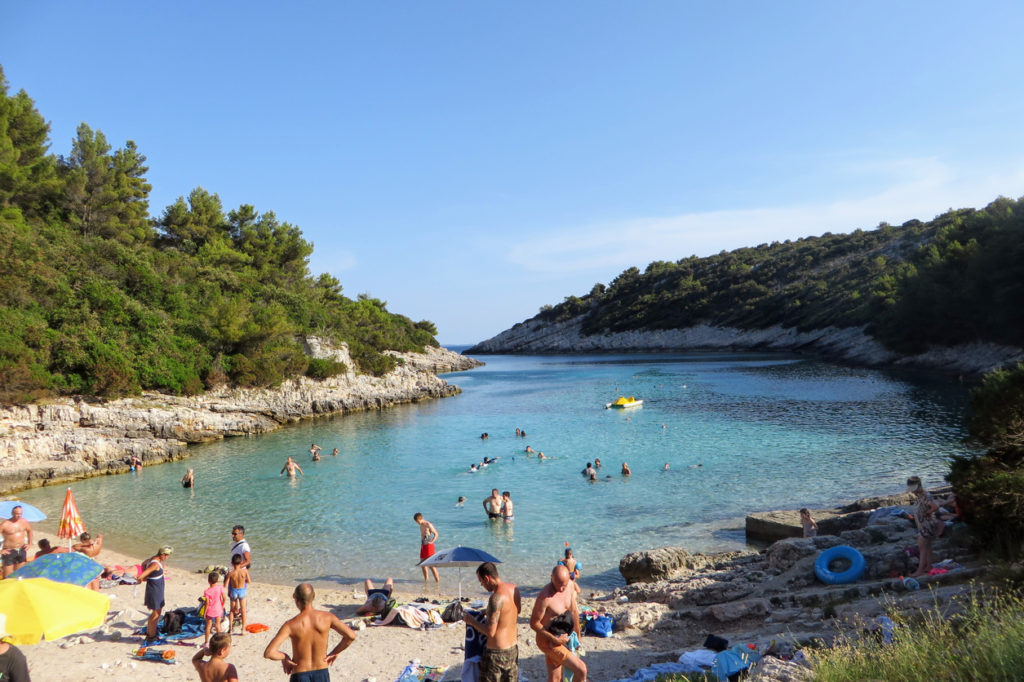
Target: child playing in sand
217, 669
214, 596
810, 527
236, 581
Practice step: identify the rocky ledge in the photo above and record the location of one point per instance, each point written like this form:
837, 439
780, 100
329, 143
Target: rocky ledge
73, 438
848, 344
755, 597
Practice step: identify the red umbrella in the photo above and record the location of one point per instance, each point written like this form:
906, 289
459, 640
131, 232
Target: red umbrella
71, 525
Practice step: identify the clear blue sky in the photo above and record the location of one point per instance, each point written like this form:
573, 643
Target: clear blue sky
469, 162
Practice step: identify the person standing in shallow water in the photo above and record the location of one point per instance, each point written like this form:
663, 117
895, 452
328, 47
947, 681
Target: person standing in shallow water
428, 536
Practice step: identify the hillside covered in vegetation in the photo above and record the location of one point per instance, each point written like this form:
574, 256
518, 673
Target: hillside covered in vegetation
98, 297
956, 279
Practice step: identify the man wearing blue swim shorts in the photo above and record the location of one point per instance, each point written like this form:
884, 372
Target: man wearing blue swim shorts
308, 632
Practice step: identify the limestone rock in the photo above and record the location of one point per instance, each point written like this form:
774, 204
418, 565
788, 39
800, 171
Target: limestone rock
736, 610
73, 438
771, 669
653, 564
849, 343
643, 616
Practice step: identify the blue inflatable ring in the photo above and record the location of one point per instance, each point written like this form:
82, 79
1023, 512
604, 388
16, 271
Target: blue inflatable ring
827, 576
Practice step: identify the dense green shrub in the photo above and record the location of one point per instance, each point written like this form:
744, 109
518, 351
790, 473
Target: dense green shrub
96, 297
956, 279
990, 487
323, 368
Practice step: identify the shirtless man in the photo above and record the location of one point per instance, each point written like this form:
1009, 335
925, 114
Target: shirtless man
507, 507
308, 633
492, 504
500, 660
88, 545
376, 598
17, 536
625, 469
291, 466
556, 608
428, 536
46, 548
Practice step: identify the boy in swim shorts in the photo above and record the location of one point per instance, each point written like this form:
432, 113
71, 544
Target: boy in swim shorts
236, 581
428, 536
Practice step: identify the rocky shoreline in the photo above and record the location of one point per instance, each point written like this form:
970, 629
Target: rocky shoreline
69, 439
760, 596
849, 345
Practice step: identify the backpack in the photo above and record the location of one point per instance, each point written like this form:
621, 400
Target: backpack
453, 612
390, 604
172, 622
600, 626
202, 607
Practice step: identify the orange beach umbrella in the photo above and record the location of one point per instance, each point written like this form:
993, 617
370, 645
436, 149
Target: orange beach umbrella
71, 525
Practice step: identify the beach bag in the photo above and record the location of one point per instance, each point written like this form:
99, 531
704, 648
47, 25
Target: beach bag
716, 643
453, 612
600, 626
172, 622
202, 607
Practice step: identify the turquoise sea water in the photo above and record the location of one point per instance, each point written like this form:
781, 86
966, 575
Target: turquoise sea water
770, 431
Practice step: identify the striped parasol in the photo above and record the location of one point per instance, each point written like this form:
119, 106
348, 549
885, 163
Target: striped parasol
71, 525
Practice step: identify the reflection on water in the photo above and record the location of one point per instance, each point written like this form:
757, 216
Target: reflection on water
741, 432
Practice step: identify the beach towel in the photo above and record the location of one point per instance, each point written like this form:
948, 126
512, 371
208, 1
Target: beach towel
193, 626
699, 660
154, 655
411, 615
651, 672
414, 672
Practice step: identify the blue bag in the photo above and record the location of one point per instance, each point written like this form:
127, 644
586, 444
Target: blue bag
600, 626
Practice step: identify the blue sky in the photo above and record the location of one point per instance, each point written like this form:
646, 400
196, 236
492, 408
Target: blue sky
470, 162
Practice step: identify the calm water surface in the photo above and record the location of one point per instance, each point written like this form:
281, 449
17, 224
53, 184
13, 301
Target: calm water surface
740, 432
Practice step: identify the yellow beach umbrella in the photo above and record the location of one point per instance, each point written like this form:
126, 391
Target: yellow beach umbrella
38, 607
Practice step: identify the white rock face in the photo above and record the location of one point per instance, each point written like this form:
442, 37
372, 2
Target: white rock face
851, 344
70, 438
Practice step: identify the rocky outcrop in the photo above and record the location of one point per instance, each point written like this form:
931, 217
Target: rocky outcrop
757, 597
74, 438
769, 526
651, 565
850, 344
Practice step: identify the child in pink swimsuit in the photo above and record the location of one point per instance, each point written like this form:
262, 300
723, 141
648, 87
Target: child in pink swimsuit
214, 597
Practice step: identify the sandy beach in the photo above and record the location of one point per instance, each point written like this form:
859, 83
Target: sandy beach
379, 653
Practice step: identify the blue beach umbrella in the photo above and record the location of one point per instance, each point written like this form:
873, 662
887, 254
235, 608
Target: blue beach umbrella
28, 512
459, 557
61, 567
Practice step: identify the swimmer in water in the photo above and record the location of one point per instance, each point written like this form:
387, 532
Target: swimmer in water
625, 470
291, 466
